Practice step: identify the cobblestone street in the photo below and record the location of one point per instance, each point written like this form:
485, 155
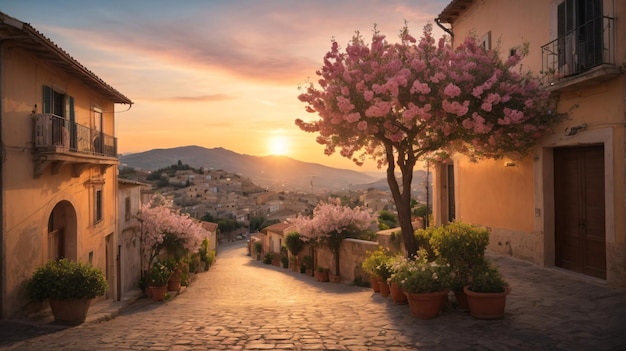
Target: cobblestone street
242, 304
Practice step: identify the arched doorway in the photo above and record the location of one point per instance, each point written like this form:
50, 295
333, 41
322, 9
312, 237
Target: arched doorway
62, 236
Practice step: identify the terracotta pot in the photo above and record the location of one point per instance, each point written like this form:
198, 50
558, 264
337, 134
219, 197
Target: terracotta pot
461, 301
321, 276
334, 278
70, 311
374, 280
175, 279
158, 292
397, 295
426, 305
384, 288
486, 305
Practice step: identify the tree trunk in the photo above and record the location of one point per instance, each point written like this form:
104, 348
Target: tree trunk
336, 252
402, 199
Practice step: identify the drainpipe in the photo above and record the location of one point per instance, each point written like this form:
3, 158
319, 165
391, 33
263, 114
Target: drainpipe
447, 30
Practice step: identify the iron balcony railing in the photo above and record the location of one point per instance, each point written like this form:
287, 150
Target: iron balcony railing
54, 133
579, 50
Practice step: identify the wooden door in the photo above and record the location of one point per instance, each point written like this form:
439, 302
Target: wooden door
579, 210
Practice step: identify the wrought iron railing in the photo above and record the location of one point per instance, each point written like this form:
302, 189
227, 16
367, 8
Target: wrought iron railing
54, 132
579, 50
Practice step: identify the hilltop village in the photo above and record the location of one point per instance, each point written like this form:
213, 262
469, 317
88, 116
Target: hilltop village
238, 205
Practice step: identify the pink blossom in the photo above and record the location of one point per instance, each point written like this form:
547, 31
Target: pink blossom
362, 125
486, 106
419, 87
452, 90
368, 95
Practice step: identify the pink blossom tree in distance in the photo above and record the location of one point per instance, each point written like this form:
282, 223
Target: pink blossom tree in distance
415, 100
331, 223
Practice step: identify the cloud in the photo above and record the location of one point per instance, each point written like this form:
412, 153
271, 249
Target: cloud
185, 99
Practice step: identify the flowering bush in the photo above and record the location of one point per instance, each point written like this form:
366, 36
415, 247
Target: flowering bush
331, 223
422, 276
159, 274
164, 229
374, 259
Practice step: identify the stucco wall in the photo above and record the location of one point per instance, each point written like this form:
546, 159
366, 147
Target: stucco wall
29, 201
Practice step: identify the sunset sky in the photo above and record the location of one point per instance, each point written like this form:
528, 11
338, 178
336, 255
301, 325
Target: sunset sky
216, 73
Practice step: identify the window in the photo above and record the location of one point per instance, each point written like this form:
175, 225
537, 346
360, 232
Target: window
579, 31
485, 41
98, 205
61, 105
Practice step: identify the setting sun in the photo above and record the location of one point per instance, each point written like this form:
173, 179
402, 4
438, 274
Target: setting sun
278, 145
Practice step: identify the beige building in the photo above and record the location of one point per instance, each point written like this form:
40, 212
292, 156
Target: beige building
129, 229
59, 158
563, 206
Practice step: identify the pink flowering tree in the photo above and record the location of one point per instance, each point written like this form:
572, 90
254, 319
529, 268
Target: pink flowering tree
409, 101
331, 223
165, 230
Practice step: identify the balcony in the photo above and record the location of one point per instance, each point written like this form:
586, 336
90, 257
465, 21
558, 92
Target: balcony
58, 142
583, 56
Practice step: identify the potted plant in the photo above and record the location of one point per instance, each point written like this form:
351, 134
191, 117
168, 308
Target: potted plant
321, 274
285, 261
258, 247
269, 257
396, 265
159, 276
463, 247
426, 285
371, 262
308, 263
487, 293
69, 286
295, 244
383, 273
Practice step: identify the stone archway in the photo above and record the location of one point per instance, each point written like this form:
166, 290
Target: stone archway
62, 232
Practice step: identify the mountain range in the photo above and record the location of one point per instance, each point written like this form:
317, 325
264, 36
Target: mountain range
272, 172
275, 172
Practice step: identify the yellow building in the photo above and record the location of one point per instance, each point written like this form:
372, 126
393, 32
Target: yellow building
59, 162
563, 206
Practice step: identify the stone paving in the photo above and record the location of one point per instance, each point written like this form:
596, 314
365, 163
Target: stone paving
242, 304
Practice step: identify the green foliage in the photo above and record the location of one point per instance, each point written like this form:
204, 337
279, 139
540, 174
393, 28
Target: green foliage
269, 257
285, 261
387, 220
423, 276
227, 225
422, 237
374, 259
258, 247
421, 211
65, 279
322, 269
395, 240
308, 261
487, 279
159, 274
208, 218
359, 281
294, 243
463, 247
